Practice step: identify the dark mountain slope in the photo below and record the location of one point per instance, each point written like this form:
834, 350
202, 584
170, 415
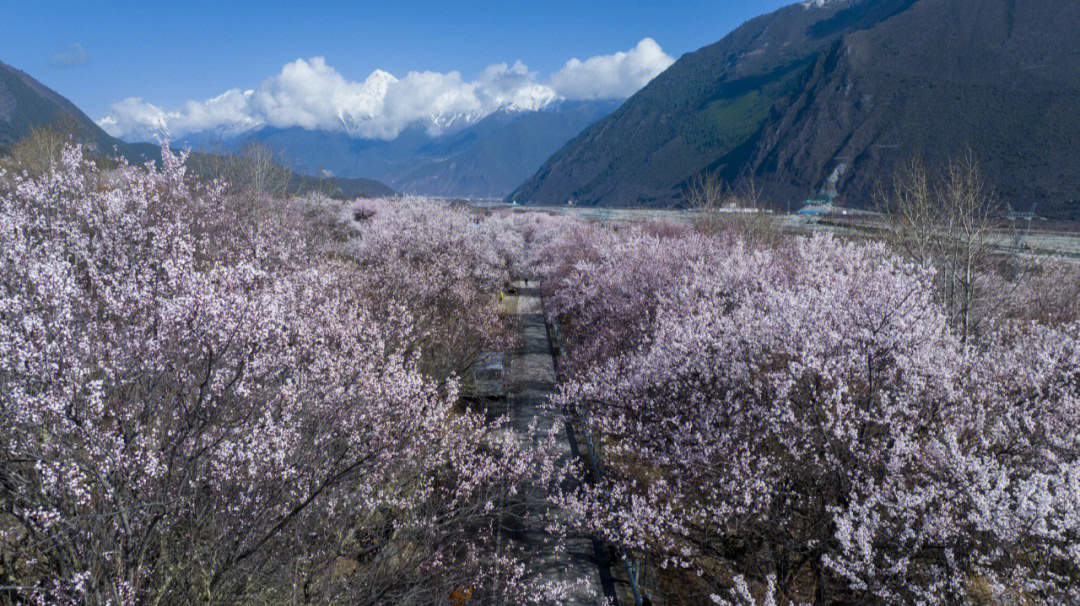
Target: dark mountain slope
26, 103
847, 89
493, 157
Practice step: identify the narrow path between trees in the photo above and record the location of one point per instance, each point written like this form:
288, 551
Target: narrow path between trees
530, 379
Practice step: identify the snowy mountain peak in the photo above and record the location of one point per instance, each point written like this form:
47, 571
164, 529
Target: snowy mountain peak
380, 81
823, 3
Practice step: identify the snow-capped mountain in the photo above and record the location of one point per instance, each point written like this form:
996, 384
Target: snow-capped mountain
312, 96
465, 154
365, 104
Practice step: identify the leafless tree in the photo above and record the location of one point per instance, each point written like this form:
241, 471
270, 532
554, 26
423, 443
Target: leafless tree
253, 169
38, 150
705, 192
258, 171
947, 220
719, 207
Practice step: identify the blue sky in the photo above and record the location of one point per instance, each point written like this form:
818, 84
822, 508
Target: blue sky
166, 53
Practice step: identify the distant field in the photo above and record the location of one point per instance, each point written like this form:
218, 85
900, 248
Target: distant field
1057, 242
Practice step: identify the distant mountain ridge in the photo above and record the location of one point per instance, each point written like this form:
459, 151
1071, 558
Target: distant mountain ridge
25, 104
840, 91
479, 157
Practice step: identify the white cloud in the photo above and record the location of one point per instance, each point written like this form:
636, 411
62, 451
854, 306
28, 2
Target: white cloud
71, 56
440, 100
133, 119
514, 87
311, 94
229, 110
612, 76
